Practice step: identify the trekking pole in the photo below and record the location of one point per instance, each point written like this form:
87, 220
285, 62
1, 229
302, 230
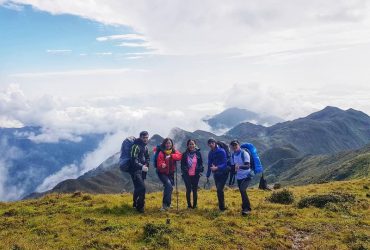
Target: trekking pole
177, 191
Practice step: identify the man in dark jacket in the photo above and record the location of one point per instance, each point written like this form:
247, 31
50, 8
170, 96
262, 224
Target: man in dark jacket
217, 163
139, 166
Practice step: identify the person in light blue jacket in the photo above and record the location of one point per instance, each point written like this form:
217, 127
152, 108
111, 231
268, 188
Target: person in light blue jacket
241, 159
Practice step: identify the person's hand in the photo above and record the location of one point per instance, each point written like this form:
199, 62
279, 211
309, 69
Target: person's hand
214, 168
145, 168
237, 167
168, 156
163, 165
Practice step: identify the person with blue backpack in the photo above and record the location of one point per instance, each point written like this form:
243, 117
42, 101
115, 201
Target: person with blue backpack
217, 164
135, 160
241, 159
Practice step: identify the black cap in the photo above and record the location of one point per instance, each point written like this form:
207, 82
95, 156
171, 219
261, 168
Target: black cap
234, 142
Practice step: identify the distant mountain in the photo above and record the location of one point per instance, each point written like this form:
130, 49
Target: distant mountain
233, 116
27, 163
283, 149
330, 130
321, 168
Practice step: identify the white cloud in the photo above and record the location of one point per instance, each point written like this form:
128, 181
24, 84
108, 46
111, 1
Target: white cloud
103, 53
58, 51
67, 172
121, 37
78, 72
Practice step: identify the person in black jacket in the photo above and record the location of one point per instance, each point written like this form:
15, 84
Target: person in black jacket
191, 168
139, 166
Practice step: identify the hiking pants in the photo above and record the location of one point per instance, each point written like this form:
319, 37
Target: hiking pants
139, 189
168, 183
191, 184
220, 181
243, 184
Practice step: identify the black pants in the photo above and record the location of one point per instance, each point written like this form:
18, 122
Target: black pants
191, 184
220, 181
168, 182
243, 184
139, 189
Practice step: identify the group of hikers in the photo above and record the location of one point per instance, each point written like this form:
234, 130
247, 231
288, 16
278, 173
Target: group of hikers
221, 163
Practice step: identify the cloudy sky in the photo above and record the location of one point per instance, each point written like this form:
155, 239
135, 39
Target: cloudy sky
120, 66
67, 61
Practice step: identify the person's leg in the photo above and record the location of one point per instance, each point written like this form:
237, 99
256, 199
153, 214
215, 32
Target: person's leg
194, 187
187, 182
220, 181
167, 192
243, 184
139, 191
135, 193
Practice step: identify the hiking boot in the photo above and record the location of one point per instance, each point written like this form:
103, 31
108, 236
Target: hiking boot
246, 212
222, 209
140, 210
164, 208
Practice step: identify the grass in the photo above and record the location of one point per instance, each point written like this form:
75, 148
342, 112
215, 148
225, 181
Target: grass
86, 221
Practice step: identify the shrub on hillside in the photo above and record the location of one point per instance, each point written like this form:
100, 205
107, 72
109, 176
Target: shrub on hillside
282, 197
157, 234
322, 199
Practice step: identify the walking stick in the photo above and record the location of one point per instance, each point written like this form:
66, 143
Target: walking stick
177, 191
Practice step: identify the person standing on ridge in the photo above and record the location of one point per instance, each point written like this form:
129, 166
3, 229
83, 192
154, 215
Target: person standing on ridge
241, 159
191, 168
166, 165
139, 166
217, 163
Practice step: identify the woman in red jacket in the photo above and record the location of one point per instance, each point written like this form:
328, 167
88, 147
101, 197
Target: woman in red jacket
166, 164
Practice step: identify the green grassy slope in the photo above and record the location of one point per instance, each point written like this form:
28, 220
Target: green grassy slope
323, 168
83, 221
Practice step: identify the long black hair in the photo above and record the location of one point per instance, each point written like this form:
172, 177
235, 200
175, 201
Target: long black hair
163, 145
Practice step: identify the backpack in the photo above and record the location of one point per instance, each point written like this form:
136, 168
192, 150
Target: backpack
256, 164
156, 150
125, 157
224, 146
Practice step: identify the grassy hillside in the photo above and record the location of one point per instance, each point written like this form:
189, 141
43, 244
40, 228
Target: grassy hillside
83, 221
322, 168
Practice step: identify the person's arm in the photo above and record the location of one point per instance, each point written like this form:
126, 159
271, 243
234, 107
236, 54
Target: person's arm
200, 163
209, 165
246, 164
223, 160
135, 151
147, 157
176, 156
183, 163
161, 160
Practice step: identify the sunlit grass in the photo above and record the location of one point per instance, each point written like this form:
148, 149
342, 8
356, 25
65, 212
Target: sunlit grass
86, 221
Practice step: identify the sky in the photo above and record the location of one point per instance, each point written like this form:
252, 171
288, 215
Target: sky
122, 66
285, 58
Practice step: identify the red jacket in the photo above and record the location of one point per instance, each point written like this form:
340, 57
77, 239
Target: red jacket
170, 162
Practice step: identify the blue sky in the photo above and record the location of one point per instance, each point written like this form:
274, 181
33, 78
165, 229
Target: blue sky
33, 40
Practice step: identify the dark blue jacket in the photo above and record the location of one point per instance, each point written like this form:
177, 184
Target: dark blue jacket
218, 158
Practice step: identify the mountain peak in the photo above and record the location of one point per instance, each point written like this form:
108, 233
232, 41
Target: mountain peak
327, 112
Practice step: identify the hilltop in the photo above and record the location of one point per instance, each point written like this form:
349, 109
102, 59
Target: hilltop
86, 221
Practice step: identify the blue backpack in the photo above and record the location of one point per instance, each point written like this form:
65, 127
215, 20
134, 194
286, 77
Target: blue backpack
155, 157
256, 164
125, 157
